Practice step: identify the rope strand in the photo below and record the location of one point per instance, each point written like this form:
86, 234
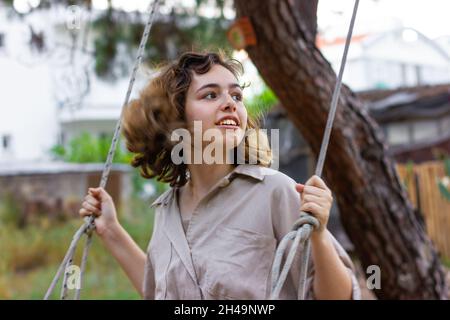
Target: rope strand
304, 227
89, 224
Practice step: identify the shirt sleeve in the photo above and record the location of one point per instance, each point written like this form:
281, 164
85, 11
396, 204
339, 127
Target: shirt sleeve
149, 283
285, 211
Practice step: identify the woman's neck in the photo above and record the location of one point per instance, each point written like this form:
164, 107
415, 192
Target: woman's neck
204, 177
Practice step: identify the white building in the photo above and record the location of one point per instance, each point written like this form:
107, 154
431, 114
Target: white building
46, 98
49, 96
444, 43
390, 59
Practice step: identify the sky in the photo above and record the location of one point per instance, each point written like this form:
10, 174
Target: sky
430, 17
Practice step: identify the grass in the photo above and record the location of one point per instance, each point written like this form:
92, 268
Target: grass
446, 262
30, 257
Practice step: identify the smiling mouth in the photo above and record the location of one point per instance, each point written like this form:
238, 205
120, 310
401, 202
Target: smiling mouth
228, 123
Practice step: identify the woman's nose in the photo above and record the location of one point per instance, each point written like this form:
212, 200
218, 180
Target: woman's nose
229, 105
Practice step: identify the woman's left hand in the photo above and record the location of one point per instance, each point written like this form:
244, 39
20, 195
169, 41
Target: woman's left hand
316, 200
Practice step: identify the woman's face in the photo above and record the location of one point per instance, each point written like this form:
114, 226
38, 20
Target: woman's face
215, 98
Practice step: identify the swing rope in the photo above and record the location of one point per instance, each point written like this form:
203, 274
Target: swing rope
303, 227
89, 225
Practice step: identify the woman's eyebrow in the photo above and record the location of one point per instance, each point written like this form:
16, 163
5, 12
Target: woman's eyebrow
216, 85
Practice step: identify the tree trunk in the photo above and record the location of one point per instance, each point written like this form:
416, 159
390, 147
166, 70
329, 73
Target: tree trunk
374, 207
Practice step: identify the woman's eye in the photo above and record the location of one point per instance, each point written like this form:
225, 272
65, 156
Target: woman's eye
237, 97
210, 96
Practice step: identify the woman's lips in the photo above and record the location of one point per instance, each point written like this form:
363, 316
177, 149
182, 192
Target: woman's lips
225, 126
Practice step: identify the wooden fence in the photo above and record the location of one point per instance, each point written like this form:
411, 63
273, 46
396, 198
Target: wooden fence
421, 182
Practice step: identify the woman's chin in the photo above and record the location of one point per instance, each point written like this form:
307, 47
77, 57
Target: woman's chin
232, 142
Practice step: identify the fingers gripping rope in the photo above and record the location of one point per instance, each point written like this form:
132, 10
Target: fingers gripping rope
303, 227
300, 233
89, 224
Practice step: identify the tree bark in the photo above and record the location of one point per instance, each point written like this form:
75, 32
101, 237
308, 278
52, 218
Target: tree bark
374, 207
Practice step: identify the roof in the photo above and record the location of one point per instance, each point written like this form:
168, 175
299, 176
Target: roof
421, 151
424, 102
41, 168
323, 42
419, 91
367, 40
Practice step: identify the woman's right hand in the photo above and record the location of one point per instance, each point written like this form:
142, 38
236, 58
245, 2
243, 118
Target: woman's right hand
99, 203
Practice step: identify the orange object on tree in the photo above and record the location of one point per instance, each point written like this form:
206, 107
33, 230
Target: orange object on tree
241, 34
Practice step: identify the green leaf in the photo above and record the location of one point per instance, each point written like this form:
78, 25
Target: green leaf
86, 148
58, 151
444, 191
447, 166
261, 103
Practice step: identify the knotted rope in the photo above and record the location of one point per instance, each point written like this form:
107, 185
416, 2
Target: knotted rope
89, 225
303, 227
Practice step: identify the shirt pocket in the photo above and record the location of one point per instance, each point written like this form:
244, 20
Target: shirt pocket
161, 256
238, 264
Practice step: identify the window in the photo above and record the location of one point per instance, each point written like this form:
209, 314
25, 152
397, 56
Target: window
425, 130
62, 138
6, 142
445, 125
398, 133
419, 75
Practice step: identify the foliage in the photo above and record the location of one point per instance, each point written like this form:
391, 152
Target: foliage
183, 29
26, 272
9, 211
31, 256
409, 177
447, 166
444, 183
178, 32
106, 45
85, 148
258, 105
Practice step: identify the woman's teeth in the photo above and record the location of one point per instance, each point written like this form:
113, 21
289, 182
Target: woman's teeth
228, 122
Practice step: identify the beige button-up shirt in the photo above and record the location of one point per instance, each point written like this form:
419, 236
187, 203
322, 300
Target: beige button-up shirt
229, 245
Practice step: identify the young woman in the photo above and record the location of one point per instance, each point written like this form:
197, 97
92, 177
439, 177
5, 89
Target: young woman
217, 228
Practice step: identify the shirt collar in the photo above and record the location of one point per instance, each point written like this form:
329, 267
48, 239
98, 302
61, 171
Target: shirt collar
251, 170
164, 198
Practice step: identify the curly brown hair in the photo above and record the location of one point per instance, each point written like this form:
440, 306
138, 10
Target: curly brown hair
149, 120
